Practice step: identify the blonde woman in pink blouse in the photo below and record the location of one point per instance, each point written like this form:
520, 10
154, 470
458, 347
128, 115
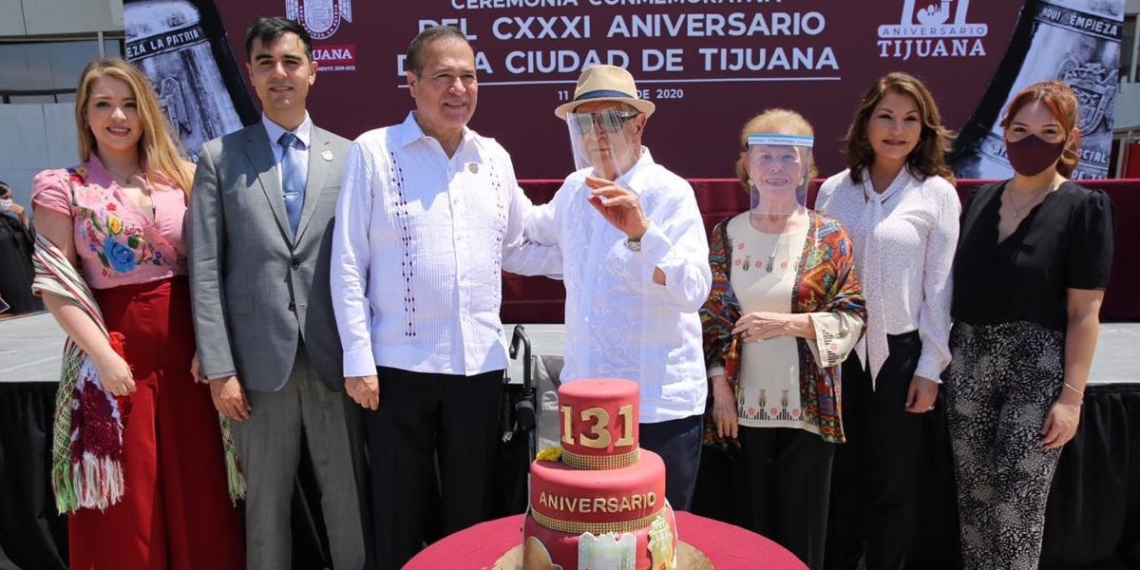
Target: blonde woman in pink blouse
898, 202
117, 217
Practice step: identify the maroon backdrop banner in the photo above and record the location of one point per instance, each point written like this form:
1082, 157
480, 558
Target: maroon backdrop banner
708, 65
541, 300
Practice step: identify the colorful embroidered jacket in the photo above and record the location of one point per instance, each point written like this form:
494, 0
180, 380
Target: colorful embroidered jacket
825, 282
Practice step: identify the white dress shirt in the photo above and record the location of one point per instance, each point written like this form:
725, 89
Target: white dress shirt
417, 252
904, 239
303, 133
619, 323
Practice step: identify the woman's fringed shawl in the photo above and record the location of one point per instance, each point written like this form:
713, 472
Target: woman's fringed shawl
87, 435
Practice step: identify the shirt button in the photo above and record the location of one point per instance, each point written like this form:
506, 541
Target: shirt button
295, 263
292, 306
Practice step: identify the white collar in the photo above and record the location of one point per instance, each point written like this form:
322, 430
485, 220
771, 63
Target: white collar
303, 132
410, 131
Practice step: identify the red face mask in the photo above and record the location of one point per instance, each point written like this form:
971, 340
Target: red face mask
1032, 155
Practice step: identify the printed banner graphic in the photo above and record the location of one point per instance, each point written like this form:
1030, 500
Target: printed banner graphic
708, 65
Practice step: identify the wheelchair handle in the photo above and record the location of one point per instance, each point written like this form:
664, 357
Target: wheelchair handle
520, 337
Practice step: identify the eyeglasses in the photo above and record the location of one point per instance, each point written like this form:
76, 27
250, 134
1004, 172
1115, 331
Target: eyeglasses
610, 121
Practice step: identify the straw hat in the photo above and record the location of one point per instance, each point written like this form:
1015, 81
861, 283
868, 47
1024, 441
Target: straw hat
605, 83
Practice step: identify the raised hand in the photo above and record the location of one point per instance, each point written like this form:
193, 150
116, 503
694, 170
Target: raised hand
619, 206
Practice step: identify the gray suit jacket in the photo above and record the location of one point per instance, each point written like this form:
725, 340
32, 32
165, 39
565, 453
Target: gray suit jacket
255, 289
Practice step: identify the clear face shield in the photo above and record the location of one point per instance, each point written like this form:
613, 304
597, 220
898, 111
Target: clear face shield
779, 167
605, 141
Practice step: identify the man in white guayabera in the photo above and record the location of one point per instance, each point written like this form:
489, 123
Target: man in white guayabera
634, 257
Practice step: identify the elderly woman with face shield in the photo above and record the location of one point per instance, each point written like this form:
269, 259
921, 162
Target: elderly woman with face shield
785, 310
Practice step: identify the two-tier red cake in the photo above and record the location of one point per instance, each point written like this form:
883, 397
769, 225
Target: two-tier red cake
600, 503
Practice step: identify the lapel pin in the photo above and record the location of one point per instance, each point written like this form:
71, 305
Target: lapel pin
327, 155
474, 168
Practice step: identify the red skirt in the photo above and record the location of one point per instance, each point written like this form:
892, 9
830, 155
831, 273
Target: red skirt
176, 512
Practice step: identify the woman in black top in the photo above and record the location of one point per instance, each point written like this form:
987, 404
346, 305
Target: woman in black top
17, 239
1029, 276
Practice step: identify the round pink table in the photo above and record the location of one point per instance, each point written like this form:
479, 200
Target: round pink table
728, 547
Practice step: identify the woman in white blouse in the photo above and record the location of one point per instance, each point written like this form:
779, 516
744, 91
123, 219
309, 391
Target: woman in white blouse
897, 200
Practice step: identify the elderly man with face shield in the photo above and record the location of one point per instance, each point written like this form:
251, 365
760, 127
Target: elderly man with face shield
634, 258
785, 311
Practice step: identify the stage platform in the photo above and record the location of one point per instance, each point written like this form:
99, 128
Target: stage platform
1091, 520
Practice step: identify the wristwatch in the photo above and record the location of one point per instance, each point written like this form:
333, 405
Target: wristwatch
633, 244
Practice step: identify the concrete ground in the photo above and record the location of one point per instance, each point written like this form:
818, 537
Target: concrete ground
30, 349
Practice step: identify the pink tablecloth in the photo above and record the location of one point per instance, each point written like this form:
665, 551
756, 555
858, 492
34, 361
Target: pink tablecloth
728, 547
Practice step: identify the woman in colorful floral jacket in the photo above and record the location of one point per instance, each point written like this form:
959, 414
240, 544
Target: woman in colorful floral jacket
784, 311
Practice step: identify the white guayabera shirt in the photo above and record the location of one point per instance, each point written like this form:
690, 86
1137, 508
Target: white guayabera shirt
619, 323
418, 250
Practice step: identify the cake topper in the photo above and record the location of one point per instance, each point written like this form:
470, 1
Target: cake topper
536, 557
661, 544
607, 552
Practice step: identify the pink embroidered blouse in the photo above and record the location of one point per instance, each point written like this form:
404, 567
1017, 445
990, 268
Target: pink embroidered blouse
117, 244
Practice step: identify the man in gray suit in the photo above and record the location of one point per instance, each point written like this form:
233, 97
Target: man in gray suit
261, 211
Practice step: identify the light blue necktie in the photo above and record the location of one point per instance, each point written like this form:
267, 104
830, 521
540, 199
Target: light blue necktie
292, 178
